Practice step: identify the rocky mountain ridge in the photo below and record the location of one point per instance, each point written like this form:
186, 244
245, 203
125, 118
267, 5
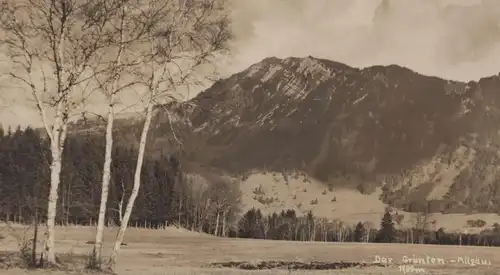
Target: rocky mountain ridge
431, 144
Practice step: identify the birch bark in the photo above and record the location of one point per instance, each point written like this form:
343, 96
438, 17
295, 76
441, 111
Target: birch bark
135, 189
106, 175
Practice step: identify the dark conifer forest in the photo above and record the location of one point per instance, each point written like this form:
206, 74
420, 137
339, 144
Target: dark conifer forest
170, 197
24, 177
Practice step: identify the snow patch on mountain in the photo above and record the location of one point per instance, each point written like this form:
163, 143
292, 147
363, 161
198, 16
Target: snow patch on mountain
253, 70
359, 99
295, 87
201, 127
267, 117
272, 72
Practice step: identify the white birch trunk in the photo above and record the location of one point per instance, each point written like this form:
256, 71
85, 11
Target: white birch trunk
120, 206
135, 189
196, 216
217, 222
57, 134
224, 226
325, 230
55, 171
312, 233
58, 137
108, 157
105, 183
224, 223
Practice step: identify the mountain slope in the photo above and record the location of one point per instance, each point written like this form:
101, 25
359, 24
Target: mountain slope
362, 128
430, 144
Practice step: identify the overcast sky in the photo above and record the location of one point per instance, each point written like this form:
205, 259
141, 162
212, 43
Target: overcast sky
428, 36
420, 34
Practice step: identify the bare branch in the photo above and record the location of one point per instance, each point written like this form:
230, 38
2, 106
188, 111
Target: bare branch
72, 40
179, 36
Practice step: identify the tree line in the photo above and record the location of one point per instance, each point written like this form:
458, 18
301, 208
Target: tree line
167, 196
287, 225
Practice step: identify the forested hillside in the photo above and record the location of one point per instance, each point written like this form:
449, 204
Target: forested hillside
167, 196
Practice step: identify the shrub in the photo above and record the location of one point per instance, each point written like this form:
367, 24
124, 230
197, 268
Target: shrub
26, 253
265, 200
93, 263
476, 223
480, 223
259, 190
245, 176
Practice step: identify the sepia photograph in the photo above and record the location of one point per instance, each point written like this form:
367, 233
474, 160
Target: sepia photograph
248, 137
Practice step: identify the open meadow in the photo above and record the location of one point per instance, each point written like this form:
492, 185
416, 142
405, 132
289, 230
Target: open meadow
177, 251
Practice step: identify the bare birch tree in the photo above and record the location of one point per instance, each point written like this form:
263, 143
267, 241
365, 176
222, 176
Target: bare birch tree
124, 35
106, 175
197, 187
225, 196
421, 224
369, 226
51, 45
266, 225
182, 36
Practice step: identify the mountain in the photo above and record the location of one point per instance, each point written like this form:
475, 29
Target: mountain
425, 143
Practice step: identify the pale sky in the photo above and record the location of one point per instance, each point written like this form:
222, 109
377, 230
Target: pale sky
424, 35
